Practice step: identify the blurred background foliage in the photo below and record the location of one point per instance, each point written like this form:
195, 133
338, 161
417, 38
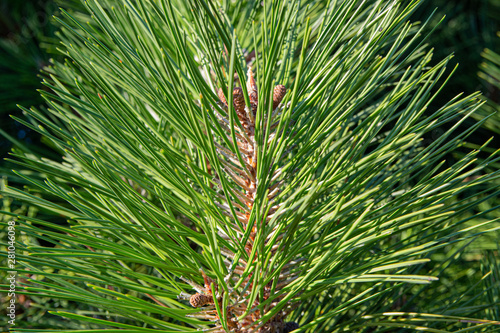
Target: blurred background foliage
469, 30
469, 27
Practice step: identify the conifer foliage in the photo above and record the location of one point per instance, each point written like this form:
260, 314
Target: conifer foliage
232, 166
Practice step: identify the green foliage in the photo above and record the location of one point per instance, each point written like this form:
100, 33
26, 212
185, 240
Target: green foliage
349, 206
467, 29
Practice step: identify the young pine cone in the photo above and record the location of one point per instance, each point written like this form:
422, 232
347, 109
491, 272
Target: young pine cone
199, 300
252, 87
221, 96
238, 99
278, 94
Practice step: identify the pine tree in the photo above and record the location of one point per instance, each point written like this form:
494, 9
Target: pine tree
247, 167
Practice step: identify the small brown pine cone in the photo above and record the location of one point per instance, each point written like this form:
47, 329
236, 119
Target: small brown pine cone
278, 94
222, 98
199, 300
290, 326
239, 101
252, 87
253, 95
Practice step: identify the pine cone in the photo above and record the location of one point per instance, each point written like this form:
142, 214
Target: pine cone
199, 300
239, 100
278, 94
252, 87
222, 98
